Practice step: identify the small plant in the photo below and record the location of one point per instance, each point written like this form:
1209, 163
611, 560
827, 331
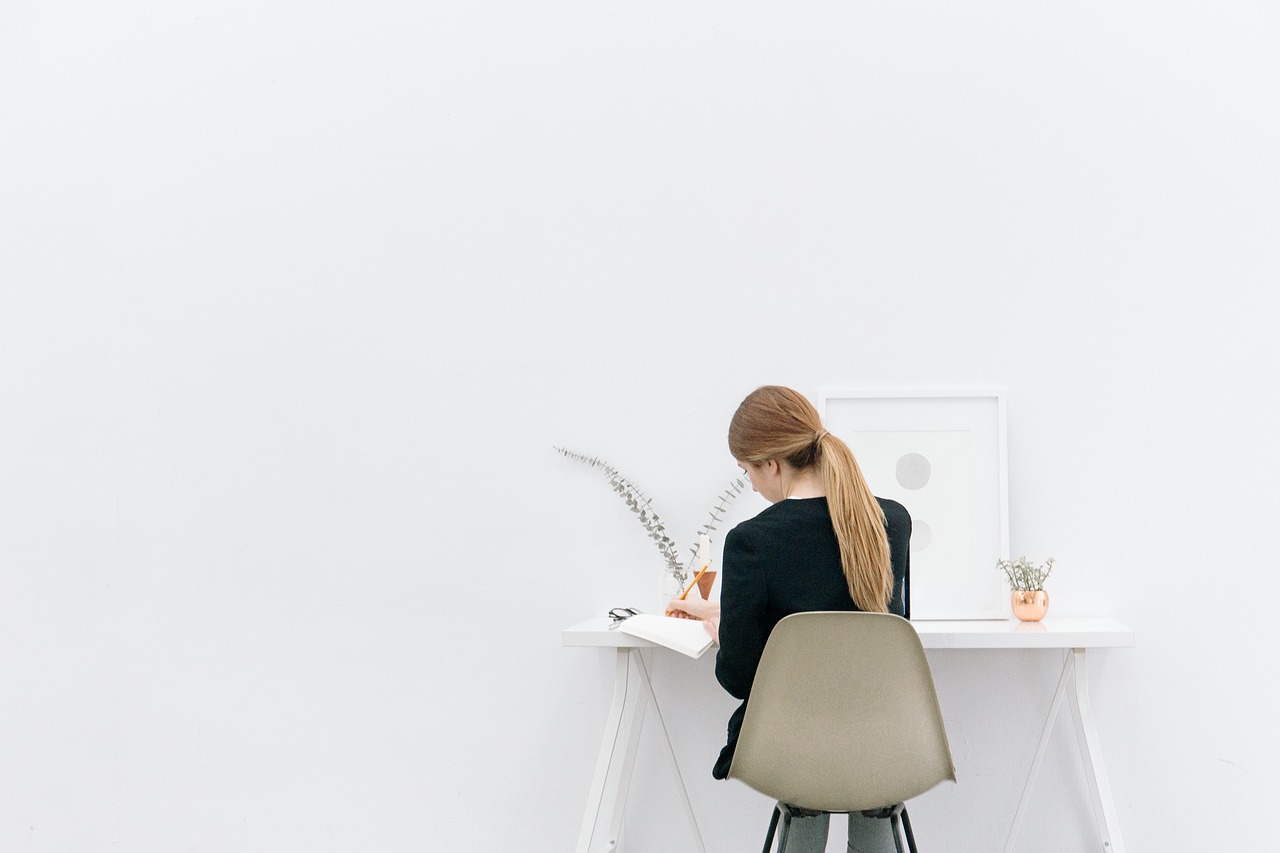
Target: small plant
642, 506
1023, 575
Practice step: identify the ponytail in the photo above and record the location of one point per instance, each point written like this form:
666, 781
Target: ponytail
859, 523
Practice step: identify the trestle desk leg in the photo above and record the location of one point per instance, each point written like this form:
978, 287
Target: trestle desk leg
647, 686
1104, 807
1040, 748
641, 703
608, 746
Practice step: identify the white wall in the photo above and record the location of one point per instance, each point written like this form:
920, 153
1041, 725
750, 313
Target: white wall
295, 300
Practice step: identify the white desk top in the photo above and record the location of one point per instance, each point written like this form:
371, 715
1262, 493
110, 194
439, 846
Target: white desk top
1067, 632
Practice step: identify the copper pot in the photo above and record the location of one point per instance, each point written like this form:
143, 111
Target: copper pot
1030, 605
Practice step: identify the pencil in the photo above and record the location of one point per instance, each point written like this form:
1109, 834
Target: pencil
690, 587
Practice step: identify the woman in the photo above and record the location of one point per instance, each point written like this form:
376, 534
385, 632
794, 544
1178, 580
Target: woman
826, 543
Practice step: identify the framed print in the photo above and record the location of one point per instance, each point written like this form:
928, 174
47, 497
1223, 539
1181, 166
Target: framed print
941, 454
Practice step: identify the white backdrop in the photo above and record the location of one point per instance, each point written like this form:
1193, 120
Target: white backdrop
296, 299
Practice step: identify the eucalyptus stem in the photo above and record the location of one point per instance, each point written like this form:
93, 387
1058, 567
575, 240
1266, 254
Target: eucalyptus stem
642, 506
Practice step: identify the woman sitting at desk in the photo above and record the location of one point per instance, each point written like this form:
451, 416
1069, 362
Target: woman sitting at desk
826, 543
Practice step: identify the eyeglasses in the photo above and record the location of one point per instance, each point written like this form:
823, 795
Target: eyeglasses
618, 614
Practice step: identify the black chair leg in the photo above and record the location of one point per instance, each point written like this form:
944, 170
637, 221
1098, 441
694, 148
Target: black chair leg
773, 826
897, 836
906, 823
786, 828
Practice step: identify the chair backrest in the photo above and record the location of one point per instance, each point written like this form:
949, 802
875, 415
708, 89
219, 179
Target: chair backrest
843, 715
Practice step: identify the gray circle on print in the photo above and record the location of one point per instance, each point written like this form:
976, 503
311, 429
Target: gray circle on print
921, 535
913, 471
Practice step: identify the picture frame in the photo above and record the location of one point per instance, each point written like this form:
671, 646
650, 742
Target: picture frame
943, 455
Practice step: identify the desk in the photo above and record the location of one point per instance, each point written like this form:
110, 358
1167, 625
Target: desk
1075, 636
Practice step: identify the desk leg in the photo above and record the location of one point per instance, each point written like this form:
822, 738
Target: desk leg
671, 754
628, 762
1074, 670
1040, 748
608, 746
1104, 807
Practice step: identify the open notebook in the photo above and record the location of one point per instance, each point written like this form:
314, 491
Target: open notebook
686, 636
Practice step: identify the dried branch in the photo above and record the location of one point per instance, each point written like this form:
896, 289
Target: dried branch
736, 487
642, 506
638, 503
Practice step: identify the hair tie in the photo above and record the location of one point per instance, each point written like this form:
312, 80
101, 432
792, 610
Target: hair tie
819, 435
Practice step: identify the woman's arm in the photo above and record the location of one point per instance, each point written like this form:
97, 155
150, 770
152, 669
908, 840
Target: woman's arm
743, 628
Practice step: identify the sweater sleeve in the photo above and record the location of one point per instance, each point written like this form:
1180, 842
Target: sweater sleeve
743, 617
898, 521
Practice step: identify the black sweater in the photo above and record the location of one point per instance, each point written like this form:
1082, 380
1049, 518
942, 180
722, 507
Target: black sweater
787, 560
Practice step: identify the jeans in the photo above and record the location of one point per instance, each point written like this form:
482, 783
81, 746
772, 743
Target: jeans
866, 834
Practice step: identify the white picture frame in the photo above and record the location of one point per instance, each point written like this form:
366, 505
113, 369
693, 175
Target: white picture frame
942, 454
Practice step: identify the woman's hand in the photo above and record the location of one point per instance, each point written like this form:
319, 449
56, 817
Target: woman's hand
693, 608
698, 608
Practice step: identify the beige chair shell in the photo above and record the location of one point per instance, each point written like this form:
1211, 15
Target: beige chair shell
843, 715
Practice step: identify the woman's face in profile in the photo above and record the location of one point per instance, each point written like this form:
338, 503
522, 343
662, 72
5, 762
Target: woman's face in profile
764, 479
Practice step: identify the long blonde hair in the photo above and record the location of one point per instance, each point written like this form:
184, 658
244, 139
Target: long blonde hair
774, 422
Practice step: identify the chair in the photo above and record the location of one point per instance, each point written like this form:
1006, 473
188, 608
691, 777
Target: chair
843, 717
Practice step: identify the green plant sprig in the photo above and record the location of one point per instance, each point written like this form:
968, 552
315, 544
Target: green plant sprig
735, 488
642, 506
1024, 575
